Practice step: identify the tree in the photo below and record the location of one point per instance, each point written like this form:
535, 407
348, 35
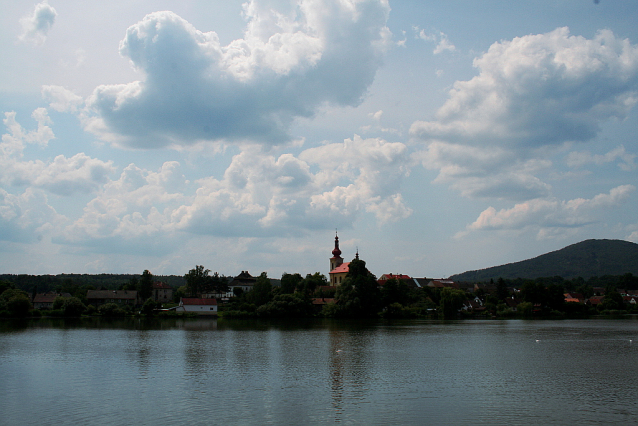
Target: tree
502, 291
197, 280
145, 285
312, 282
295, 305
613, 299
73, 307
219, 284
15, 302
395, 291
262, 290
149, 307
358, 295
451, 301
289, 282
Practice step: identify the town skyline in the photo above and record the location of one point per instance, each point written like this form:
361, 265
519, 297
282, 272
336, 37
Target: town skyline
437, 138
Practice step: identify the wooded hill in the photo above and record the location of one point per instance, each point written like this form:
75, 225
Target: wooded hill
62, 282
589, 258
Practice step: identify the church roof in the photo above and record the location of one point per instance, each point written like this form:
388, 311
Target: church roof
344, 267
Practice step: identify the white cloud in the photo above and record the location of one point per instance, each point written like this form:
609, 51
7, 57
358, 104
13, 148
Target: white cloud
539, 90
441, 39
285, 66
61, 99
533, 94
259, 195
627, 160
63, 176
35, 28
548, 216
26, 217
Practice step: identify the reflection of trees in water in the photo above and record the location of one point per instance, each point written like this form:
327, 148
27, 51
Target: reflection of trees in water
350, 363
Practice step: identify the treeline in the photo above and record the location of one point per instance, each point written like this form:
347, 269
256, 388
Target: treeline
70, 283
586, 287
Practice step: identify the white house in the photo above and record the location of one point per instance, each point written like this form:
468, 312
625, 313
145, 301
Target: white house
197, 305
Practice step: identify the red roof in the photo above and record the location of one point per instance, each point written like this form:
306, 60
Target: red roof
198, 301
397, 276
344, 267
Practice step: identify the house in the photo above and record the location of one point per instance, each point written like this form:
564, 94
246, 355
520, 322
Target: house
197, 305
442, 284
162, 292
245, 281
98, 298
45, 300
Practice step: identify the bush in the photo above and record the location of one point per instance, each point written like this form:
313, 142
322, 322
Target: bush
15, 302
73, 307
111, 310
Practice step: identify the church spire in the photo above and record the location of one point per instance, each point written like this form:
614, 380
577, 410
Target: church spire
336, 252
336, 258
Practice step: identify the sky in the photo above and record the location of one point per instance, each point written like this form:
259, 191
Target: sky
435, 137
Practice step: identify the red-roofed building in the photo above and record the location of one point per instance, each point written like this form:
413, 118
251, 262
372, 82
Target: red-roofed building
197, 305
162, 292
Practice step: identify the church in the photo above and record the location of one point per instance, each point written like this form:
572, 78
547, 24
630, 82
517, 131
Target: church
338, 269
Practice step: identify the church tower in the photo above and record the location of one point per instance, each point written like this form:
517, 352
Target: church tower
336, 259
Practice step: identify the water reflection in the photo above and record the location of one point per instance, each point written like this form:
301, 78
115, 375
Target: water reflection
317, 372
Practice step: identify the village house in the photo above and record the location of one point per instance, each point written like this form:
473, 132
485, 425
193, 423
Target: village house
43, 301
162, 292
98, 298
197, 305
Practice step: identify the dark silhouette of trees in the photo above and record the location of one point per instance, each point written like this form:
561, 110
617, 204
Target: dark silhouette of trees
145, 285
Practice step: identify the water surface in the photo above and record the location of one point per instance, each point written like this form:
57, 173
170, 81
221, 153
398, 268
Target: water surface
220, 372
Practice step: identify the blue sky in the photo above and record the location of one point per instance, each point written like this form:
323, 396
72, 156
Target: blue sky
437, 137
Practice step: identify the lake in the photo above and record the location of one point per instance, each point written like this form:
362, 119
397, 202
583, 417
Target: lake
233, 372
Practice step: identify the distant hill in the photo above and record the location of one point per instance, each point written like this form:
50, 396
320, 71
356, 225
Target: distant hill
585, 259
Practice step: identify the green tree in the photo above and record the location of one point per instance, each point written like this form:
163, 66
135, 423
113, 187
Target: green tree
73, 307
261, 292
198, 281
613, 299
296, 305
312, 282
149, 307
145, 285
58, 303
289, 282
395, 291
502, 292
15, 302
358, 296
451, 301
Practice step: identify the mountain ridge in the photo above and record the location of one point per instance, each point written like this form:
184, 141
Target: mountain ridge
586, 259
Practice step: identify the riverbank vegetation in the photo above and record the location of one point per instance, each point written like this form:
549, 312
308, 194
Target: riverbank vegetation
360, 295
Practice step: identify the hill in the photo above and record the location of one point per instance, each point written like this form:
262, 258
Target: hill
586, 259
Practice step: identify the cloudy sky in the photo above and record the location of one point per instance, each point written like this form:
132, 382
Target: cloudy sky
437, 137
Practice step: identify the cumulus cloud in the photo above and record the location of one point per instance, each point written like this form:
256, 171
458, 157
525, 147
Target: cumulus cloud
532, 95
539, 90
285, 66
26, 217
62, 176
61, 99
259, 195
35, 28
626, 160
548, 215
